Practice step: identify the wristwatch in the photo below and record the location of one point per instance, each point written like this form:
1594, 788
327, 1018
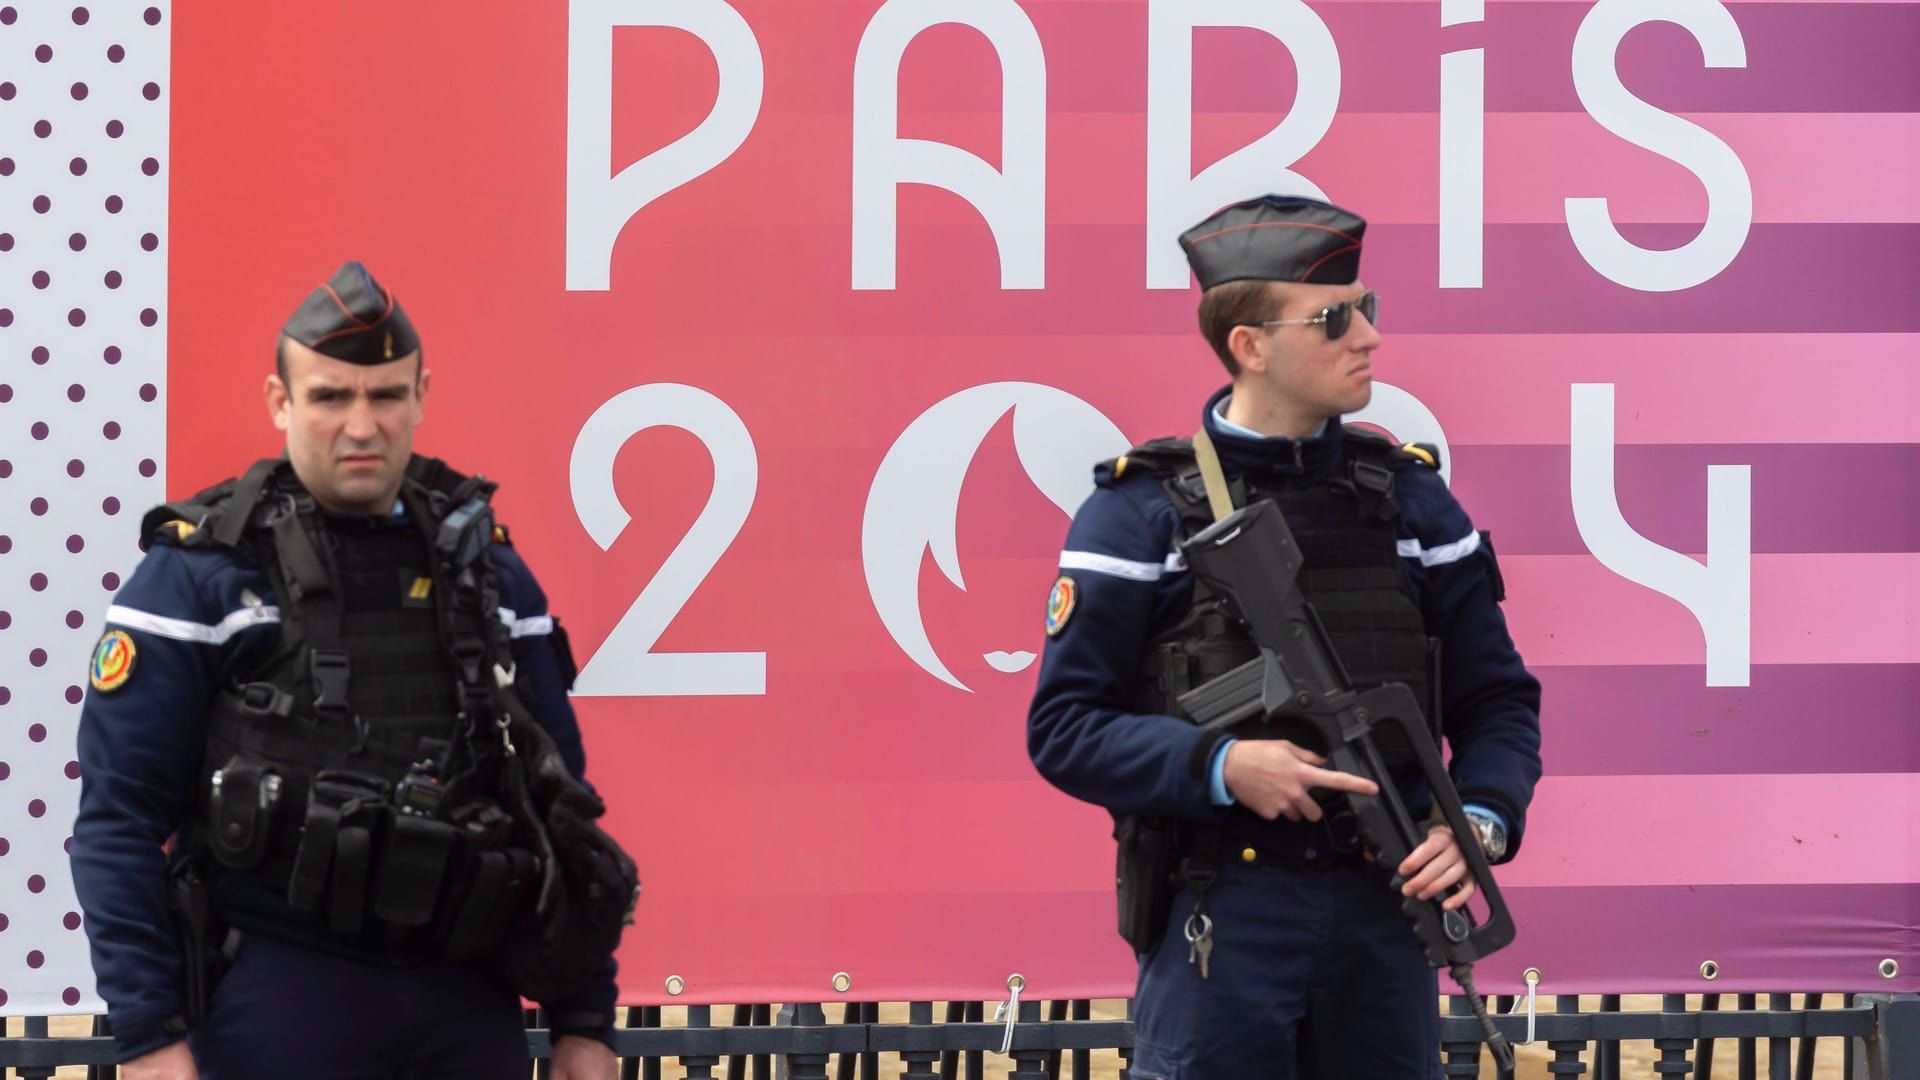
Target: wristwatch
1493, 836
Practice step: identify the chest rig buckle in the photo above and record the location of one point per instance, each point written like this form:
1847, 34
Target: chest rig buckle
1369, 482
330, 671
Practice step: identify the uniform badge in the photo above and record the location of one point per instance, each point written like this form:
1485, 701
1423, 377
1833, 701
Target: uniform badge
112, 661
415, 591
389, 349
1060, 604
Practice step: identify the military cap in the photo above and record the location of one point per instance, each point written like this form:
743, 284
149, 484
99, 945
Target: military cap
352, 317
1276, 238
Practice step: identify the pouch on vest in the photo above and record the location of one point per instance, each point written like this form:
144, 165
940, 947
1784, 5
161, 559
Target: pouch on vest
496, 891
243, 797
418, 846
411, 867
336, 845
491, 884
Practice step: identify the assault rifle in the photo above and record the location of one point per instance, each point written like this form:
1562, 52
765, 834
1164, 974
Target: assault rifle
1249, 558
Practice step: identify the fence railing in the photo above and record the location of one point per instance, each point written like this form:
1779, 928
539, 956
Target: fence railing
1877, 1035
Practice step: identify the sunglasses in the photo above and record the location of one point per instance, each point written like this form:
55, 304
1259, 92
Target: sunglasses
1339, 316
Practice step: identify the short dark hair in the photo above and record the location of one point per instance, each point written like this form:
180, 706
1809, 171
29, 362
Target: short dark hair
280, 362
1231, 304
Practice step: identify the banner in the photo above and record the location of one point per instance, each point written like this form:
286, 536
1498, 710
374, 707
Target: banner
793, 328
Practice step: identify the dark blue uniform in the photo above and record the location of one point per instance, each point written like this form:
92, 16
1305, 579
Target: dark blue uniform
297, 997
1314, 966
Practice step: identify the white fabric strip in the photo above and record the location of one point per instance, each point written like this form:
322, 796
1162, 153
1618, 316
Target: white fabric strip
183, 630
530, 627
1445, 553
1111, 566
245, 618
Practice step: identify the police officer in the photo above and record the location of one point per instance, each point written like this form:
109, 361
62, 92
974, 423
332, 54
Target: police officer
1306, 967
311, 684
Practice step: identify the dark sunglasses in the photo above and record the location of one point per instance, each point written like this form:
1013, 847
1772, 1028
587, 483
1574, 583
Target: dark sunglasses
1339, 316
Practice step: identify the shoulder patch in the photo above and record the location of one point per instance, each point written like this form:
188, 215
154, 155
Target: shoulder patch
1060, 604
112, 661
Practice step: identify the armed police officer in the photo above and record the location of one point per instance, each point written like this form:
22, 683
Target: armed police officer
334, 691
1268, 944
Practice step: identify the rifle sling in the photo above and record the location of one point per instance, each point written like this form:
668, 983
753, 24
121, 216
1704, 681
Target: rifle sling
1212, 475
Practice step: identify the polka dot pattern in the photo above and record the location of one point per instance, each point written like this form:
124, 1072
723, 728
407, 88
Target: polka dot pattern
84, 167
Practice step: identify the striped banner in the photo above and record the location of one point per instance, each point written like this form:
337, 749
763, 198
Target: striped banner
792, 327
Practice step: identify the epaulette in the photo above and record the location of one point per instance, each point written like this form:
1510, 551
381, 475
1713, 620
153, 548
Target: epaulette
437, 476
178, 524
1425, 453
1367, 443
184, 523
1159, 455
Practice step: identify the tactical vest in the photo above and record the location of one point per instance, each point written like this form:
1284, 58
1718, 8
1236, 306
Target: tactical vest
1346, 529
365, 768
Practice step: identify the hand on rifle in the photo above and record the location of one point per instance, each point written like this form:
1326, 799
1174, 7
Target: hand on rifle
1436, 865
1272, 778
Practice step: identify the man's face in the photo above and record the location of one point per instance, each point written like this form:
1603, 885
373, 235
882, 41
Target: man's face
349, 426
1328, 378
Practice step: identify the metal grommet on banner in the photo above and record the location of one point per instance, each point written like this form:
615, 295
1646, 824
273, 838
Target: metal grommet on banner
1889, 968
842, 982
1010, 1009
676, 985
1532, 976
1709, 970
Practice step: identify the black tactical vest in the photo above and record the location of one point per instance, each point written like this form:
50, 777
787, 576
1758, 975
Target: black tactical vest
379, 769
359, 769
1352, 576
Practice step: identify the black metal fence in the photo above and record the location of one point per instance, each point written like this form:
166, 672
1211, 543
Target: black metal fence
1878, 1036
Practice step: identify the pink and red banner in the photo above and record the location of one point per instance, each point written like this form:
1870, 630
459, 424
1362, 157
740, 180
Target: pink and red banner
791, 329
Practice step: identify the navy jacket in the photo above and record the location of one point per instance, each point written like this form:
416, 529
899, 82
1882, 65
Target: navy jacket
200, 619
1131, 586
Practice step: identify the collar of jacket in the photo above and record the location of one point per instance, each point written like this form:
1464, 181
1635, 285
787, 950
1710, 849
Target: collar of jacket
1275, 461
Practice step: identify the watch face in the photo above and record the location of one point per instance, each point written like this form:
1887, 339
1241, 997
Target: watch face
1492, 840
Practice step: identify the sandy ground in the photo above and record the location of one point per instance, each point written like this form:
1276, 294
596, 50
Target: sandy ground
1636, 1058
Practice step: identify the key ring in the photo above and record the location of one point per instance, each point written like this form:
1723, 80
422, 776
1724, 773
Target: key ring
1199, 926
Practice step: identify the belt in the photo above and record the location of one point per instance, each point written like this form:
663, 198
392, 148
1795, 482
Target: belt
1332, 842
1312, 858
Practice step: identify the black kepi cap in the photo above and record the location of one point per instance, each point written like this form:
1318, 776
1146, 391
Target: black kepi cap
352, 317
1276, 238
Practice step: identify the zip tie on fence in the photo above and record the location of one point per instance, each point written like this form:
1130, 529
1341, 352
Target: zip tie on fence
1533, 981
1010, 1009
